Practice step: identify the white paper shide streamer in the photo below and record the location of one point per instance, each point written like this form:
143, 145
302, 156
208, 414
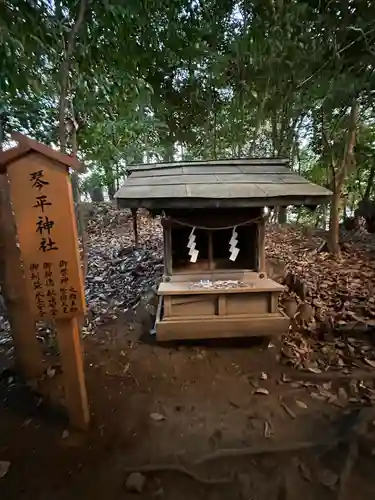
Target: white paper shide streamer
233, 249
191, 246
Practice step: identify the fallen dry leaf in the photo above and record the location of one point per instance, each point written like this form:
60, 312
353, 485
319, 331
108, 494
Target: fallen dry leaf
4, 468
65, 434
314, 370
317, 396
268, 431
158, 417
262, 390
342, 394
301, 404
370, 362
305, 472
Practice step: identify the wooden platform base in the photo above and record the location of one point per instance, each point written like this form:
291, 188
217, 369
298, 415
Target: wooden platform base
208, 327
186, 312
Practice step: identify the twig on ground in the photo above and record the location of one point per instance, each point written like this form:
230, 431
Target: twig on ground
182, 470
364, 416
227, 453
267, 448
286, 408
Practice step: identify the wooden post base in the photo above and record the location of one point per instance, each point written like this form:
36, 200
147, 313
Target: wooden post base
74, 378
27, 351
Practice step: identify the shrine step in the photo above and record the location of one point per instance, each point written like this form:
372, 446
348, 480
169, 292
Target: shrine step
221, 327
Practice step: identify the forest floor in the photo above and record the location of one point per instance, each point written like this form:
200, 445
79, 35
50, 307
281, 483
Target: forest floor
214, 420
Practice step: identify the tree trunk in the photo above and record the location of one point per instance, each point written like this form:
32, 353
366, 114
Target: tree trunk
169, 152
324, 217
96, 195
317, 220
282, 215
109, 181
111, 190
339, 177
370, 182
344, 209
334, 221
65, 72
299, 213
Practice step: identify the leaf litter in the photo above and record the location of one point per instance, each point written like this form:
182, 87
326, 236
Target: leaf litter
331, 334
336, 330
339, 292
120, 274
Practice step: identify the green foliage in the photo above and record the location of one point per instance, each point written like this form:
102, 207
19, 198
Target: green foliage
155, 79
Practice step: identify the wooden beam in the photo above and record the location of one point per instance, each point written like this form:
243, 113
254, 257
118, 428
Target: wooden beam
255, 286
191, 202
167, 306
273, 302
28, 354
222, 305
211, 264
73, 373
222, 327
167, 240
192, 163
261, 247
135, 226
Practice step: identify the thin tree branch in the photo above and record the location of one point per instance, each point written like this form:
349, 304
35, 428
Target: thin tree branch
348, 155
329, 61
65, 70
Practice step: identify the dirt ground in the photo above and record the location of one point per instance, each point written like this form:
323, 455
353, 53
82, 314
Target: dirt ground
232, 406
159, 405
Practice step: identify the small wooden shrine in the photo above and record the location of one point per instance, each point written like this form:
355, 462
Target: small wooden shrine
213, 216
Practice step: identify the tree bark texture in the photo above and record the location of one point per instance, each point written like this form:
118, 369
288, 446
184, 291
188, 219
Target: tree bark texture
339, 175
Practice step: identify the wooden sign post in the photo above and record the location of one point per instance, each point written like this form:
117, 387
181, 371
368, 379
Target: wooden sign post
42, 202
27, 349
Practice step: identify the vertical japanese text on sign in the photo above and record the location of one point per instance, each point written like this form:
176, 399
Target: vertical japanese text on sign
41, 198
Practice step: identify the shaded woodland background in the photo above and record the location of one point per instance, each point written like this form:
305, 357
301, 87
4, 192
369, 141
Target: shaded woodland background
135, 81
119, 83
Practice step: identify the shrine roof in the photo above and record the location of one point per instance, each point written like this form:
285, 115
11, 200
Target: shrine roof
27, 145
242, 182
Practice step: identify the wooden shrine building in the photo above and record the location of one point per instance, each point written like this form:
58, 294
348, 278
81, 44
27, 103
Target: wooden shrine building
213, 216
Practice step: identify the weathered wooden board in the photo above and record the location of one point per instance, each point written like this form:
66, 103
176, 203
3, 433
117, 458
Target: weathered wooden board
202, 163
150, 191
221, 327
247, 303
227, 190
172, 180
291, 178
237, 182
189, 299
42, 203
264, 169
185, 288
211, 169
210, 175
206, 306
249, 178
159, 173
184, 202
281, 190
217, 274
